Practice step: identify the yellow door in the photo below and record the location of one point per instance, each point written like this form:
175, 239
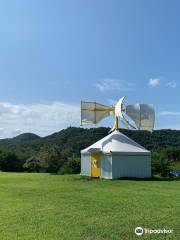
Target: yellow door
95, 165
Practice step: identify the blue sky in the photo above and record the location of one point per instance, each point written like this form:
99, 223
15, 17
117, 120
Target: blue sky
53, 54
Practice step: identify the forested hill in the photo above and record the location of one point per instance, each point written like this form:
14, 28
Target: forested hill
60, 152
74, 139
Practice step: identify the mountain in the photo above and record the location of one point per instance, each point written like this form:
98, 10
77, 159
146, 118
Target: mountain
63, 148
78, 138
26, 137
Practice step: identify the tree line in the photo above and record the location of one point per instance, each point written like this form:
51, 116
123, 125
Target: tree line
60, 152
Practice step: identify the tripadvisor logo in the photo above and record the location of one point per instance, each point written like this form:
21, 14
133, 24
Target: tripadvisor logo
139, 231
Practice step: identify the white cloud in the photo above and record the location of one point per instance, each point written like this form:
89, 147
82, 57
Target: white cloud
171, 84
169, 113
110, 84
171, 126
42, 119
153, 82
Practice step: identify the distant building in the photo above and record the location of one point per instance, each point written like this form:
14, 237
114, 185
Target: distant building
116, 156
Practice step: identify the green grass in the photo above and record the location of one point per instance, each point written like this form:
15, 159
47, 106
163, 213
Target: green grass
44, 206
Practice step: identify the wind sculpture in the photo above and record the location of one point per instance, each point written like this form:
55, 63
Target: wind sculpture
134, 116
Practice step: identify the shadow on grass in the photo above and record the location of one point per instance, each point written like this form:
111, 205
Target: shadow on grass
154, 178
77, 177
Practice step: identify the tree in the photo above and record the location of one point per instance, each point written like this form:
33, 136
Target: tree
160, 165
72, 165
9, 162
51, 159
32, 164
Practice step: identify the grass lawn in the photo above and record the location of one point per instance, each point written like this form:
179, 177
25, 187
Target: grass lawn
43, 206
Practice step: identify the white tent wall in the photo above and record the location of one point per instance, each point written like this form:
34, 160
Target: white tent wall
86, 164
120, 157
106, 166
133, 166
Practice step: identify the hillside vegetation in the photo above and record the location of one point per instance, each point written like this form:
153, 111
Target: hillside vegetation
60, 152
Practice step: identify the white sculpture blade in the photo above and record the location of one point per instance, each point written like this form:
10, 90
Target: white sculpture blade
92, 112
143, 115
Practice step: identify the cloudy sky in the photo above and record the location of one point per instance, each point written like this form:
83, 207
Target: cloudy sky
53, 54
